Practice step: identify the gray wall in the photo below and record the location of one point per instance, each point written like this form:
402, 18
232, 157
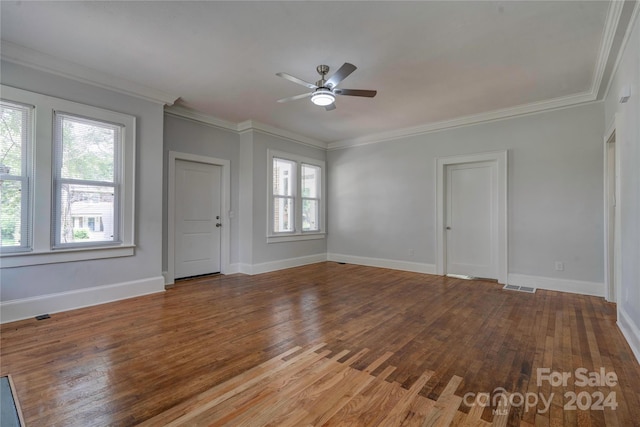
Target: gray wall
23, 282
247, 153
628, 147
382, 196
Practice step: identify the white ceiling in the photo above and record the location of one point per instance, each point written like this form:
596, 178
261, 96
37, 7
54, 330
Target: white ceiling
430, 61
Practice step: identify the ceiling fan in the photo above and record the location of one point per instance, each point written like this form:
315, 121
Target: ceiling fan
324, 90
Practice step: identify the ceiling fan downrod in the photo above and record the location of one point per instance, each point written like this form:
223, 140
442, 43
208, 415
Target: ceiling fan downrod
323, 70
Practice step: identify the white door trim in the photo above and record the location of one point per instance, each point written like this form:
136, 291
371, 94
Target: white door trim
612, 289
500, 157
171, 214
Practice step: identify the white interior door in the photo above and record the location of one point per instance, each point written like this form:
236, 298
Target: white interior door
197, 218
471, 219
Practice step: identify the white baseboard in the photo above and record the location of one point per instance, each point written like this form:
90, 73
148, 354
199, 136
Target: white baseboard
167, 280
266, 267
234, 268
25, 308
554, 284
630, 331
415, 267
240, 267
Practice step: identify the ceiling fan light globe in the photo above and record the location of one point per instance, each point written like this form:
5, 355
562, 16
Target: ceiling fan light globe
323, 98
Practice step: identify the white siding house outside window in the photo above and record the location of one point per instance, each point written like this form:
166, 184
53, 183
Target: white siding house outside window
296, 202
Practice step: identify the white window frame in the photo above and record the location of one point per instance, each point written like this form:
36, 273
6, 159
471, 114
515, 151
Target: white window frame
25, 179
298, 233
58, 182
43, 192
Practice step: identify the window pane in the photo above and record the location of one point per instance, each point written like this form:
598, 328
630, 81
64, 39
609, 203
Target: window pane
88, 149
11, 213
310, 220
86, 213
283, 176
13, 136
310, 181
283, 215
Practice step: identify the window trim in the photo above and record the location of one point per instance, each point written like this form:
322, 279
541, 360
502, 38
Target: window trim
42, 189
318, 199
298, 234
26, 182
59, 181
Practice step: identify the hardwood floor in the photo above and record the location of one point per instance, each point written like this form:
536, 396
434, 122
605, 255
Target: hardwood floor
126, 362
312, 389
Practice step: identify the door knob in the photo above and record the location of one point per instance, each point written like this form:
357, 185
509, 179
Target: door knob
448, 228
218, 225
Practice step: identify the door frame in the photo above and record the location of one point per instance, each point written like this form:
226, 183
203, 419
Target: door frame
500, 158
225, 205
612, 290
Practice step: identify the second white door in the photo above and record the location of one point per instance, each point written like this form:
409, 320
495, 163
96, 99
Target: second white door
471, 222
198, 218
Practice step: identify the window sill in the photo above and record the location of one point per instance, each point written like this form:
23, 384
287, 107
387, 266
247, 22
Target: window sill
23, 259
295, 237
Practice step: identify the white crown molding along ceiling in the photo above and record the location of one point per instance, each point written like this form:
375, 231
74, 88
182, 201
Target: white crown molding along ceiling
14, 53
17, 54
247, 125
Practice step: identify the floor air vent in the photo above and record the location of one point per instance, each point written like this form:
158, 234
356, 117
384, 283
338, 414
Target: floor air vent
527, 289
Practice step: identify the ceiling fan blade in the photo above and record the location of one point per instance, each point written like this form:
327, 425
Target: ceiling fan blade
342, 73
293, 98
297, 80
356, 92
330, 107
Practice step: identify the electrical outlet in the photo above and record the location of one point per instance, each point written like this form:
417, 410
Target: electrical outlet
559, 266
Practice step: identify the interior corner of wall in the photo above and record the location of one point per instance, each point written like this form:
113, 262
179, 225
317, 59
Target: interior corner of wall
630, 331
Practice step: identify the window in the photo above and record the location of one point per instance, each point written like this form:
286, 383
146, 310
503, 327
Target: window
67, 172
310, 194
284, 175
86, 181
15, 143
296, 203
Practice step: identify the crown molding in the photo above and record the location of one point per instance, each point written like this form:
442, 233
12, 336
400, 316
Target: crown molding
281, 133
623, 45
246, 126
21, 55
14, 53
505, 113
188, 113
610, 28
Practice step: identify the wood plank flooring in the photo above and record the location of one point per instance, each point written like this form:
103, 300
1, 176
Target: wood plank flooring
312, 389
438, 340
